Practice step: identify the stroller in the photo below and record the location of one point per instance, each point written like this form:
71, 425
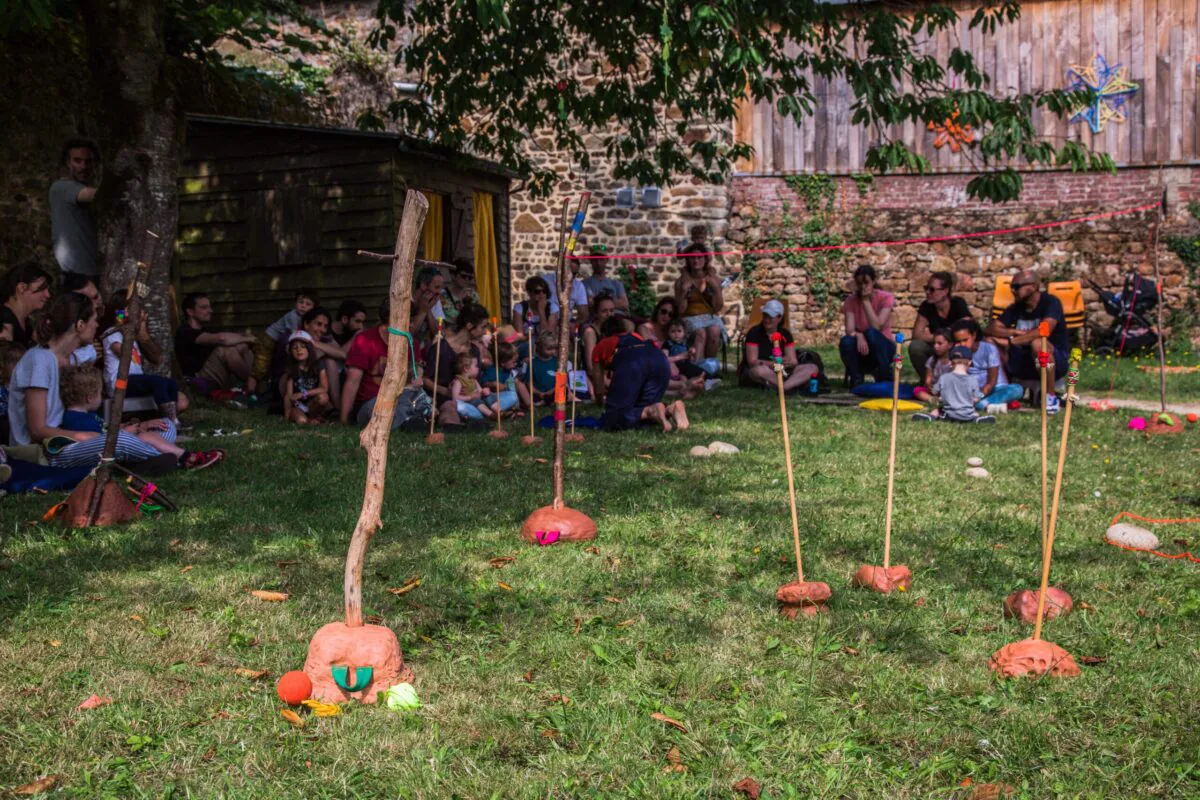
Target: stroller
1131, 332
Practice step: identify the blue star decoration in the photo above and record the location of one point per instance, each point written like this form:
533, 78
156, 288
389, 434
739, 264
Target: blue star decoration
1110, 86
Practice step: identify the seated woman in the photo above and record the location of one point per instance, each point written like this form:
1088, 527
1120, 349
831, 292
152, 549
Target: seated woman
36, 407
538, 310
655, 328
639, 377
868, 346
758, 367
602, 310
469, 335
939, 311
698, 292
985, 367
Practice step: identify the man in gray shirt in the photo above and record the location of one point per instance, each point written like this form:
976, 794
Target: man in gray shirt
72, 223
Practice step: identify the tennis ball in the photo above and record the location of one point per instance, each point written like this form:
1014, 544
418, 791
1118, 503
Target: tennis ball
1193, 418
294, 687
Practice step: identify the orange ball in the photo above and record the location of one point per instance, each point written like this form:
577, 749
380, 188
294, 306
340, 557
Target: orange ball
1193, 418
294, 687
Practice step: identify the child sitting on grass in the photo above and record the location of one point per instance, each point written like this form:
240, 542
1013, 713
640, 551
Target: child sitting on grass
936, 365
512, 391
544, 365
264, 347
958, 391
465, 390
139, 441
687, 378
305, 384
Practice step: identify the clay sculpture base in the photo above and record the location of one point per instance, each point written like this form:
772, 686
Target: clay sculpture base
435, 438
1023, 604
806, 598
531, 440
368, 646
572, 525
881, 580
573, 437
115, 506
1032, 658
498, 434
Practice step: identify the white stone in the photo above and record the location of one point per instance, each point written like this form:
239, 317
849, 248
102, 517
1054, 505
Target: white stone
722, 448
977, 472
974, 461
1132, 536
700, 451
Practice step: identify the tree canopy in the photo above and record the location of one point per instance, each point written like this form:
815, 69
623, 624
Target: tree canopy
494, 74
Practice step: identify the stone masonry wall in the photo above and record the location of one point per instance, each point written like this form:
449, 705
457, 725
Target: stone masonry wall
767, 212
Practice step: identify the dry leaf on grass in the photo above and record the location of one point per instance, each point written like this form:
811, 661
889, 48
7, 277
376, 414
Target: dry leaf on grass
505, 587
501, 561
251, 674
187, 569
269, 597
408, 586
528, 677
540, 461
559, 698
95, 701
372, 619
285, 564
627, 623
54, 643
292, 717
613, 600
549, 733
850, 651
1092, 661
137, 618
674, 723
578, 625
592, 549
748, 787
37, 787
1086, 607
993, 791
674, 761
322, 709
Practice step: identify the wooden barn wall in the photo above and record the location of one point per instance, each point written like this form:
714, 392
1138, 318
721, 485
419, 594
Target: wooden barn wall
1155, 39
265, 211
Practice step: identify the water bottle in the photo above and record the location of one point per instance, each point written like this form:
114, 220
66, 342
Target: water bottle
813, 386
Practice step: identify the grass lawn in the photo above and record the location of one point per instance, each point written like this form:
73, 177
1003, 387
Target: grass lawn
539, 677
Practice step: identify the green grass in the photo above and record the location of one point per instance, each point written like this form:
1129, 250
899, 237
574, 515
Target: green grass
884, 697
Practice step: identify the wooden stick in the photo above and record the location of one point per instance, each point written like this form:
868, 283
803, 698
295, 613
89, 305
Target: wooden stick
1044, 369
529, 333
575, 364
1072, 377
564, 332
897, 365
496, 365
133, 319
437, 368
374, 437
1162, 300
787, 457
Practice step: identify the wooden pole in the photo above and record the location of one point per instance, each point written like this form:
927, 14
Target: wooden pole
897, 365
437, 368
787, 457
496, 364
1044, 368
529, 333
1072, 377
133, 319
564, 332
575, 365
374, 437
1158, 286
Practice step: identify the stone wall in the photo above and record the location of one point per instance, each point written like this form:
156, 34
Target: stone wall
772, 212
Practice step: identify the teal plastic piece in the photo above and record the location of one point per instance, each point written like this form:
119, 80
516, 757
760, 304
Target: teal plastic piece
362, 677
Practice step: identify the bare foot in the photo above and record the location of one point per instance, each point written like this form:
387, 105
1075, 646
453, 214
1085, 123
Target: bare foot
679, 413
658, 412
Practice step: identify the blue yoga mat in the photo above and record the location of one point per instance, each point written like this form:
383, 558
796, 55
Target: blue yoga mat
28, 476
580, 422
882, 389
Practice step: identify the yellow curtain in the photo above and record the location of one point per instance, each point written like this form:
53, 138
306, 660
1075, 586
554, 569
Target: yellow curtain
487, 261
431, 236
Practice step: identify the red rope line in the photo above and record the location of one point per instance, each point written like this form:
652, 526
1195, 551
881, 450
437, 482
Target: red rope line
923, 240
1160, 554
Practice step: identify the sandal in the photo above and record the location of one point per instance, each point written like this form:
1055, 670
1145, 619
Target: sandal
199, 459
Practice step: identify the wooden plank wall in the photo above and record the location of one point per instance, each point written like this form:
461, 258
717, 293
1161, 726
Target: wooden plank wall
1155, 39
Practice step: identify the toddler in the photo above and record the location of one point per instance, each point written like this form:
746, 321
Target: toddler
936, 365
958, 391
468, 395
305, 384
545, 366
512, 390
687, 378
264, 348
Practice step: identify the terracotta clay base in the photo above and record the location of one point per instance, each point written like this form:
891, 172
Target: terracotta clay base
1159, 426
1032, 658
115, 506
1023, 604
881, 580
531, 440
573, 437
498, 434
435, 438
368, 646
572, 525
806, 598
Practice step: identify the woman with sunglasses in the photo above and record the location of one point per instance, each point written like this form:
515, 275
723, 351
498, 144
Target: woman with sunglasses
538, 310
940, 309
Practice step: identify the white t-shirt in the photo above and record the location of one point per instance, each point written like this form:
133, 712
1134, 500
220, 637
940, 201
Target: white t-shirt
37, 369
986, 357
579, 295
112, 360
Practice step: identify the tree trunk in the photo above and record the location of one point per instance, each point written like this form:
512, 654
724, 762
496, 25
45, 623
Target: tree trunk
142, 139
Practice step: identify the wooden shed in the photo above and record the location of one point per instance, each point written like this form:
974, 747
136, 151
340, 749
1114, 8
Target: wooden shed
265, 209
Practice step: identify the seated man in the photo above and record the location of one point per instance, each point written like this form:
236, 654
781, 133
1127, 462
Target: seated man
220, 360
757, 367
1016, 332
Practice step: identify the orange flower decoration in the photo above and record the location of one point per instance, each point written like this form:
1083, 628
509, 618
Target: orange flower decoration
953, 134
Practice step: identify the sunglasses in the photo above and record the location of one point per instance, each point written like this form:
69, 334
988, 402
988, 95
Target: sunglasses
1016, 285
934, 288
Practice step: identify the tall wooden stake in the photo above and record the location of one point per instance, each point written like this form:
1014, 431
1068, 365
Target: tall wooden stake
1044, 368
1072, 378
1162, 300
374, 437
777, 356
133, 319
437, 367
532, 415
897, 364
496, 364
564, 333
574, 365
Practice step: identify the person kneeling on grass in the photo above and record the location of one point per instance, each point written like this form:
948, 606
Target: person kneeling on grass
958, 390
81, 397
640, 375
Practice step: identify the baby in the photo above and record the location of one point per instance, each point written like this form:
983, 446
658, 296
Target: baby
958, 391
465, 390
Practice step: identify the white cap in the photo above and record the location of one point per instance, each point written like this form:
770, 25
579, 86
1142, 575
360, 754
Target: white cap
301, 335
773, 308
